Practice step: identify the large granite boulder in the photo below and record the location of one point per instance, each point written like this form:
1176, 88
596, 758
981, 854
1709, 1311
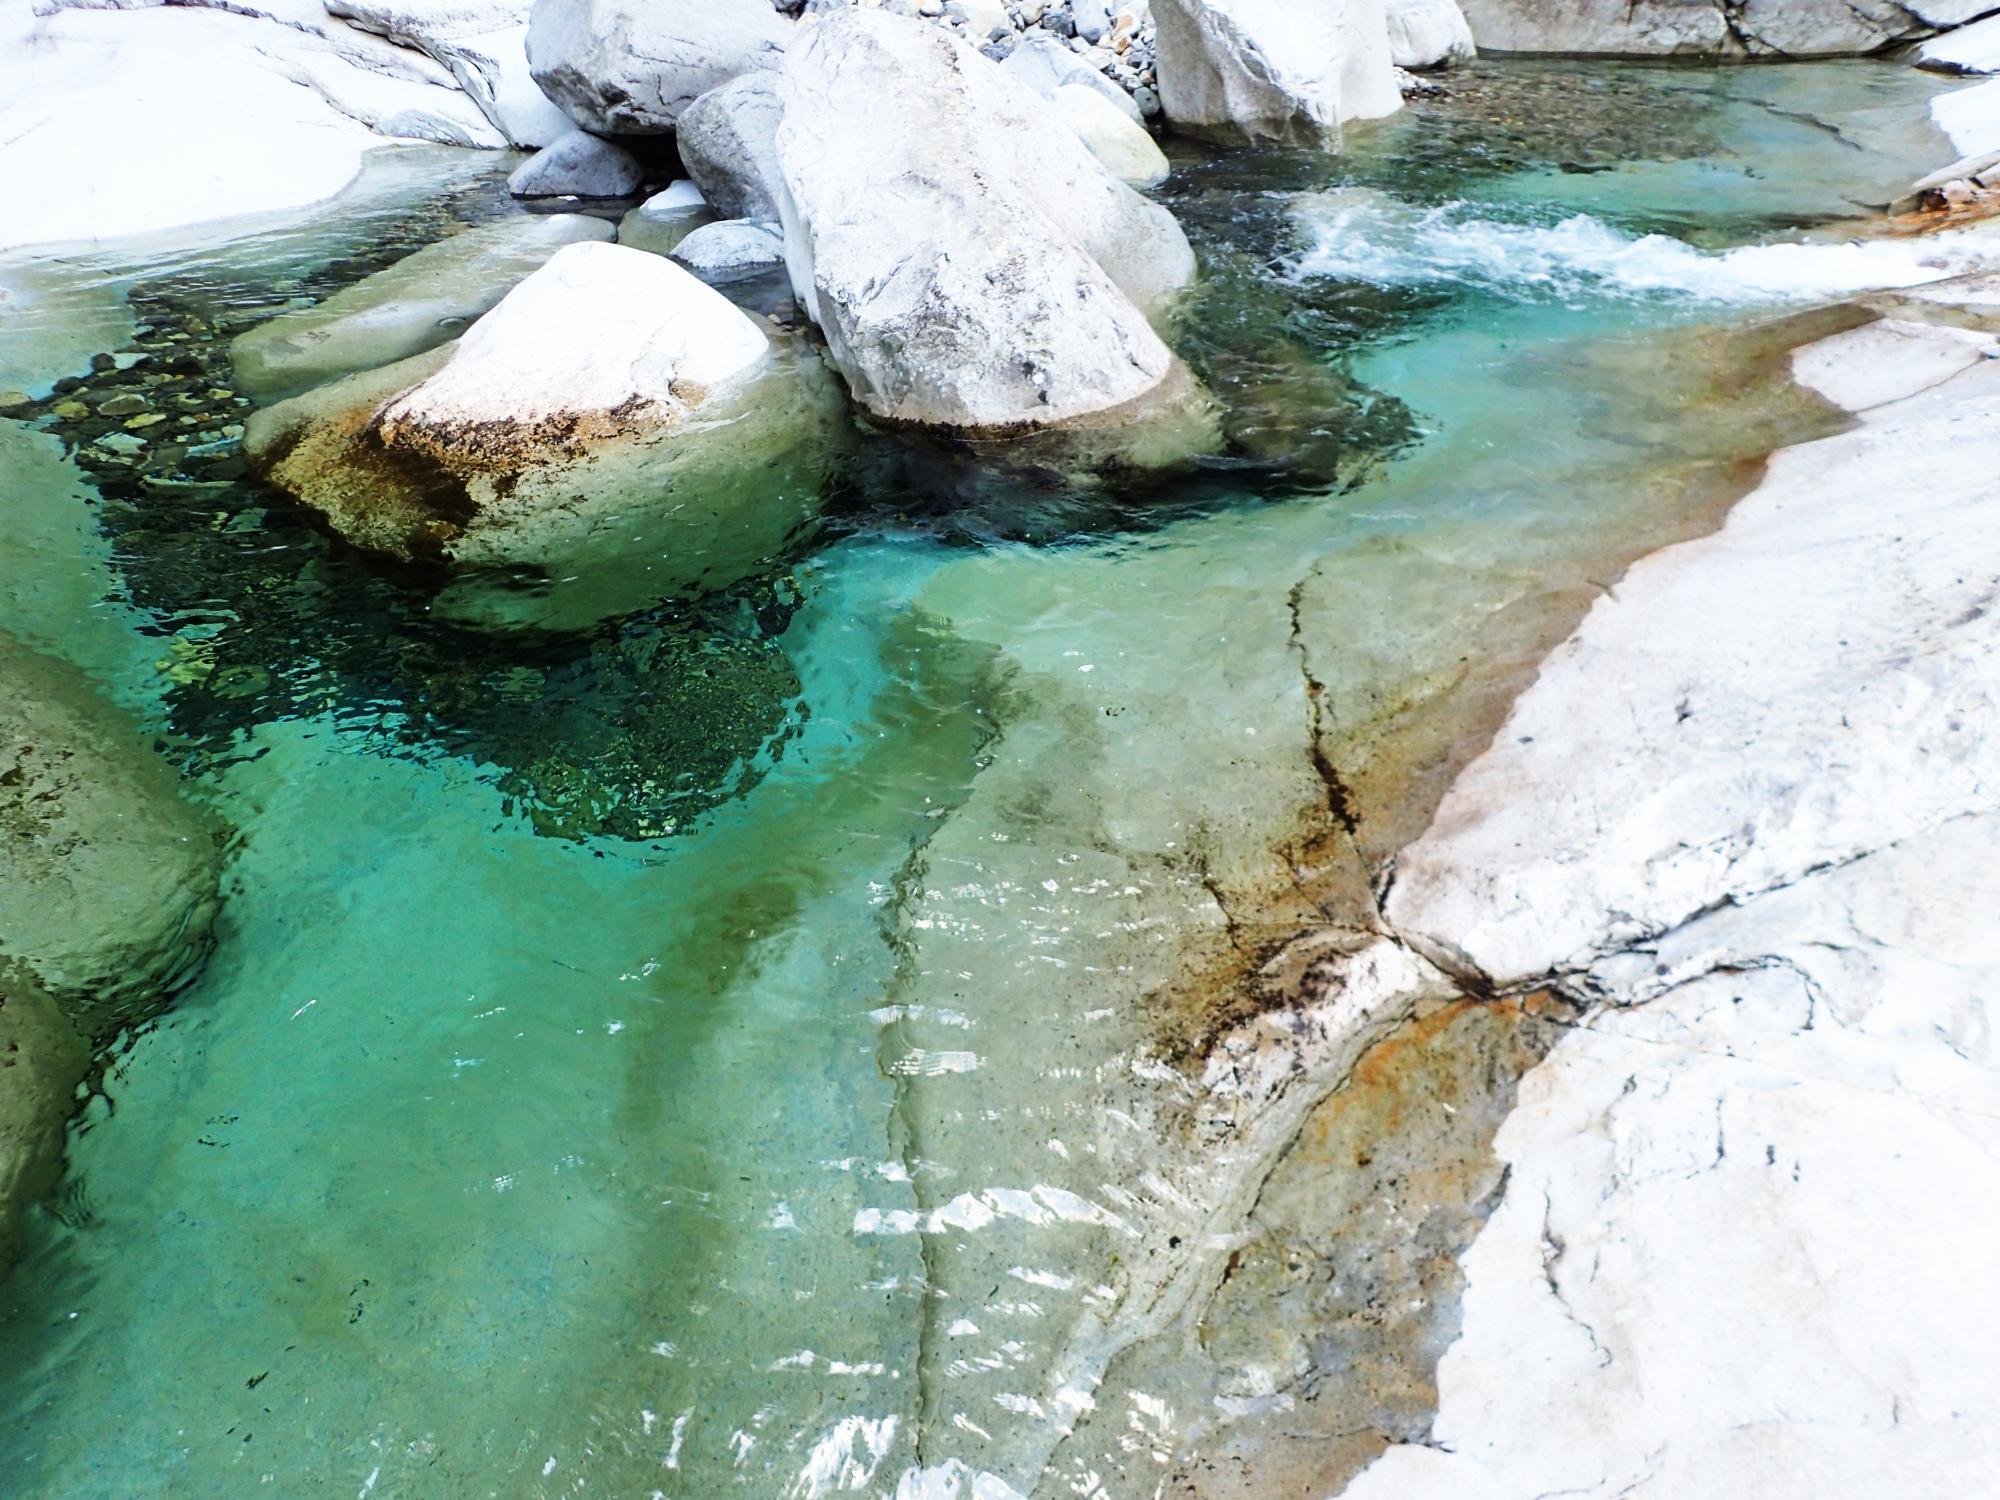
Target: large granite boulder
614, 432
1044, 64
42, 1060
973, 267
578, 164
1712, 28
108, 879
1285, 70
1428, 34
630, 67
728, 142
418, 303
482, 43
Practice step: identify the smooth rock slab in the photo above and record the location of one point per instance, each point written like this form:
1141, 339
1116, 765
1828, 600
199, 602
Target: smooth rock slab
420, 302
1970, 49
630, 67
484, 45
108, 878
1286, 70
578, 165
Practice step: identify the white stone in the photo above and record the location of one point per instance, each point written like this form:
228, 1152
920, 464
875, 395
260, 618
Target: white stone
971, 263
1128, 152
420, 302
598, 329
1970, 49
1428, 34
629, 67
1287, 70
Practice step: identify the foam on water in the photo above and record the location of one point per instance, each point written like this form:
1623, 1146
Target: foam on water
1359, 234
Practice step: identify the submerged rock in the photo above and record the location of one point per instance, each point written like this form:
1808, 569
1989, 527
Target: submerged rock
1282, 70
1428, 34
42, 1060
416, 304
108, 879
973, 266
623, 67
578, 165
612, 421
665, 219
728, 141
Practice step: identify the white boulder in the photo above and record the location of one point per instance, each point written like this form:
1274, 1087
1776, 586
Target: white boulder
577, 164
420, 302
1428, 34
727, 141
972, 265
629, 67
1285, 70
1127, 150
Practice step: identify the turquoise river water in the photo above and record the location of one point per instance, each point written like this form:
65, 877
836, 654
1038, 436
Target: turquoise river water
690, 1056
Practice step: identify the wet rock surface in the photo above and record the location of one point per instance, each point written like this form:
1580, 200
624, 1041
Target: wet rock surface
42, 1060
108, 879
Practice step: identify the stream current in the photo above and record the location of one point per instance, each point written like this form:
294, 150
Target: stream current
710, 1052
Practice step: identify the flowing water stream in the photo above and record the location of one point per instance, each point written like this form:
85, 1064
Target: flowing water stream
722, 1049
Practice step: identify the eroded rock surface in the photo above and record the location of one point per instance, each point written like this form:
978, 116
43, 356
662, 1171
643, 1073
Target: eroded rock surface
42, 1060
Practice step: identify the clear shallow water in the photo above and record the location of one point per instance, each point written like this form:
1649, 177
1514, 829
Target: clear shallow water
509, 1146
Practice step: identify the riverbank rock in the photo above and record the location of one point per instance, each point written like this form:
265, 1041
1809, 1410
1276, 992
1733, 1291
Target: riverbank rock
1292, 71
42, 1060
578, 165
614, 432
1429, 34
972, 265
1045, 65
483, 43
108, 878
727, 141
630, 67
1710, 28
418, 303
